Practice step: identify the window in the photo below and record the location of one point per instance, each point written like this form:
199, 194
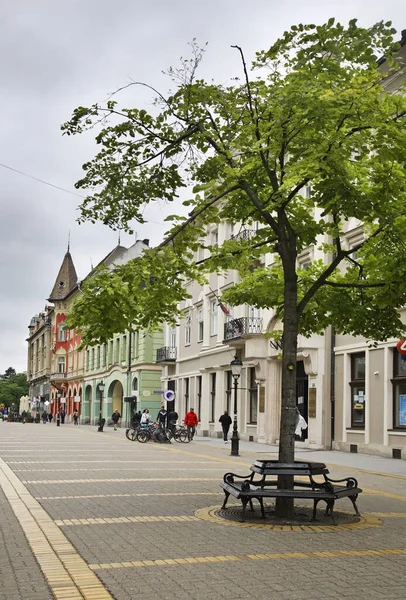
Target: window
93, 358
188, 329
213, 317
200, 253
213, 397
229, 387
87, 359
98, 357
399, 390
61, 332
124, 351
253, 393
358, 390
199, 396
200, 325
61, 364
187, 395
214, 237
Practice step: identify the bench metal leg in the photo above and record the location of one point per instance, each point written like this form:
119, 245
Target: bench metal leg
251, 505
354, 503
330, 509
315, 503
244, 502
261, 503
227, 495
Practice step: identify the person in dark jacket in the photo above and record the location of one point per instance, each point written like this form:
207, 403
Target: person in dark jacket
44, 416
136, 419
115, 418
162, 416
63, 414
225, 421
172, 418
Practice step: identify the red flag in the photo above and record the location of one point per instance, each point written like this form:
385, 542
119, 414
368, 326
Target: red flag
224, 308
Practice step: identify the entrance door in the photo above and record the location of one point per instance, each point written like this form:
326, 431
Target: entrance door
302, 396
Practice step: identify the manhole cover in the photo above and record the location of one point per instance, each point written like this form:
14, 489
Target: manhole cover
303, 516
301, 521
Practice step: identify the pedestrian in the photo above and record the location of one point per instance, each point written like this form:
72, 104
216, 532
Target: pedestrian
23, 416
136, 419
115, 417
225, 421
172, 418
191, 422
63, 414
75, 417
102, 422
162, 416
50, 417
146, 418
44, 417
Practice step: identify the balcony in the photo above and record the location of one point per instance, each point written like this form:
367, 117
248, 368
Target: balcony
244, 234
167, 354
59, 376
242, 328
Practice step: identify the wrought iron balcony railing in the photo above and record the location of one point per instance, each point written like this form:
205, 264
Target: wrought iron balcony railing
244, 234
237, 328
166, 354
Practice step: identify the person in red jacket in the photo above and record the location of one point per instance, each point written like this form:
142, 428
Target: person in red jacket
191, 421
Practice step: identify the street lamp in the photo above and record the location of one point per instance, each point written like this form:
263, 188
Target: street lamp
236, 366
101, 389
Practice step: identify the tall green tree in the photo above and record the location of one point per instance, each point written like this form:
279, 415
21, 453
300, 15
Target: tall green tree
12, 388
311, 110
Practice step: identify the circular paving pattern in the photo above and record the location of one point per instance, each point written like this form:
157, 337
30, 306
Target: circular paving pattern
301, 522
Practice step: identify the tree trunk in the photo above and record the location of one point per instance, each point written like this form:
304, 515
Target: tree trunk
285, 506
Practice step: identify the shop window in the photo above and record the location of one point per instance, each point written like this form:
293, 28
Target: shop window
213, 397
253, 396
199, 396
229, 387
399, 390
187, 394
358, 390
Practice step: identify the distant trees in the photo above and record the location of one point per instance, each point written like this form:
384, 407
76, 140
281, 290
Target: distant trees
13, 385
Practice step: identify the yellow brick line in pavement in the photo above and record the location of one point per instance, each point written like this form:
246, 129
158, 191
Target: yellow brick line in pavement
366, 521
133, 462
104, 469
389, 515
67, 574
110, 520
248, 557
129, 495
53, 481
384, 494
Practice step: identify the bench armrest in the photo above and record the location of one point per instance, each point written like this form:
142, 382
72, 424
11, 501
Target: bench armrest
350, 481
229, 477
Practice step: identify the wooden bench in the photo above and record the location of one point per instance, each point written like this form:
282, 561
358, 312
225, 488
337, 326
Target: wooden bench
249, 487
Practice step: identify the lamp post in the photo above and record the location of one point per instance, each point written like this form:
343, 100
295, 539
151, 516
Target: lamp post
101, 389
236, 366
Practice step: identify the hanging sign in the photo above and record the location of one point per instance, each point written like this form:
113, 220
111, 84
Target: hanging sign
401, 346
169, 395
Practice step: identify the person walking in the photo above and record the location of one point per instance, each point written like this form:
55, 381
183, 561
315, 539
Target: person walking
23, 415
136, 419
63, 414
115, 417
44, 417
225, 421
172, 418
50, 417
75, 417
162, 416
191, 422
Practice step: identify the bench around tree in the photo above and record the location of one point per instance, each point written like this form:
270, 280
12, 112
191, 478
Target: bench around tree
246, 487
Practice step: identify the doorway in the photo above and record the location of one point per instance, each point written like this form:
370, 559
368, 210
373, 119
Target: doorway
302, 396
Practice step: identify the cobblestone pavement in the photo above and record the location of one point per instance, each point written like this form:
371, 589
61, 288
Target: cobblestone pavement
106, 518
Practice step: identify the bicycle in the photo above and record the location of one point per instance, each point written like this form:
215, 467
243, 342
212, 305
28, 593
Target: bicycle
131, 433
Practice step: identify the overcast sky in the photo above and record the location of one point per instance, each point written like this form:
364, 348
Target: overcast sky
59, 54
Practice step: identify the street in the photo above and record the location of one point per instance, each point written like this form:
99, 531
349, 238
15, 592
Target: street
92, 515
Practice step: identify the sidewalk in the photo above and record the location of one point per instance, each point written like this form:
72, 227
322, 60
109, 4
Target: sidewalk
375, 464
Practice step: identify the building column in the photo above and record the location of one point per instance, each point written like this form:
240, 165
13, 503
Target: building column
273, 393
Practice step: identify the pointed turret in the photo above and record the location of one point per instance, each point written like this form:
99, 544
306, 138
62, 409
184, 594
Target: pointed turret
66, 280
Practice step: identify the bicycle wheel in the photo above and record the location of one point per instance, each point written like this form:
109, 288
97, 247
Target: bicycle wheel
143, 436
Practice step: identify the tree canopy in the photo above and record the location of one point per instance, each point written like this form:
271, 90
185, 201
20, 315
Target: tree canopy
12, 387
311, 110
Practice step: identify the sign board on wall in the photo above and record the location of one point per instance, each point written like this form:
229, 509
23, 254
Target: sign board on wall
76, 398
62, 400
401, 346
312, 403
146, 393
